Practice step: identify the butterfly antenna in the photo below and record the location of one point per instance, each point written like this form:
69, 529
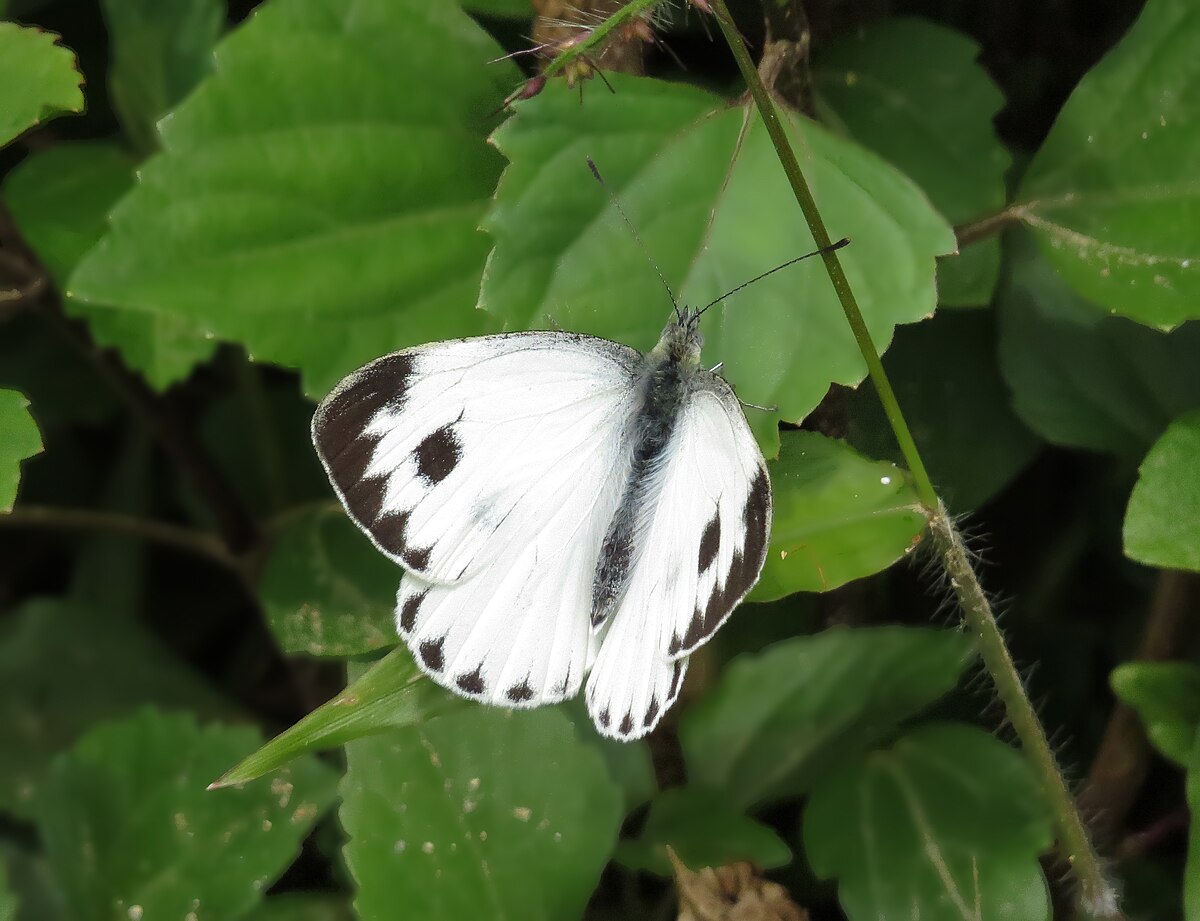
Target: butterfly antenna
844, 241
633, 230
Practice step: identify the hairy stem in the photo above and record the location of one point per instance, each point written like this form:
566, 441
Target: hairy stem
1096, 897
597, 35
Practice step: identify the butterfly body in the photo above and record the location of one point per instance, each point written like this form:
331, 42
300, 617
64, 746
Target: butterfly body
564, 506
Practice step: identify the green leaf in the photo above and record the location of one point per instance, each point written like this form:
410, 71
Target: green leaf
508, 9
1166, 696
361, 235
160, 50
947, 377
327, 591
19, 441
946, 825
777, 722
1162, 523
1082, 379
8, 898
1112, 193
131, 832
705, 830
60, 197
58, 678
563, 255
838, 517
38, 79
914, 93
483, 813
392, 694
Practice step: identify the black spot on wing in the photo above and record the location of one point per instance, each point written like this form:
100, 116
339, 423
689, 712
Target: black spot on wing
408, 611
626, 726
743, 572
519, 693
438, 454
604, 718
432, 655
339, 431
710, 542
472, 682
651, 713
560, 689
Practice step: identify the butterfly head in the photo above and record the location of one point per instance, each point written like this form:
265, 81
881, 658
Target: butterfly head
681, 340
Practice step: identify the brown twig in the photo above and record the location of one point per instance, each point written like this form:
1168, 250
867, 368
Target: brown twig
983, 227
48, 518
1122, 761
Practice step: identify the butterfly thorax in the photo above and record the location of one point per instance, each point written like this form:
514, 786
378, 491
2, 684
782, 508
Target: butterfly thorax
663, 389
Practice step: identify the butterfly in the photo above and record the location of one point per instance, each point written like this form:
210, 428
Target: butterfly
565, 508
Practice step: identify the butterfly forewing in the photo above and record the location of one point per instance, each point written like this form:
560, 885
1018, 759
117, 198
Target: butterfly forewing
701, 543
435, 448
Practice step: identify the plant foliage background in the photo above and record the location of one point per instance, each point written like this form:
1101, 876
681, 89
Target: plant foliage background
211, 213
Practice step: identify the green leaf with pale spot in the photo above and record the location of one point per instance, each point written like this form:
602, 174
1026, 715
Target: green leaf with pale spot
777, 722
914, 93
1082, 379
130, 830
945, 825
485, 813
705, 830
838, 516
38, 79
325, 218
1166, 696
326, 589
1162, 523
60, 198
19, 441
160, 49
1113, 192
671, 154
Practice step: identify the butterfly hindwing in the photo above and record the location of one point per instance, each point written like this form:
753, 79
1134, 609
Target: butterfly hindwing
437, 449
699, 544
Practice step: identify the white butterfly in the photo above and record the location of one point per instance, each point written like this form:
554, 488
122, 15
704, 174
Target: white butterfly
564, 506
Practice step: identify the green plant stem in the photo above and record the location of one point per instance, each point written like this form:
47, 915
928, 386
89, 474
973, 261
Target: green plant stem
833, 265
597, 35
1096, 897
